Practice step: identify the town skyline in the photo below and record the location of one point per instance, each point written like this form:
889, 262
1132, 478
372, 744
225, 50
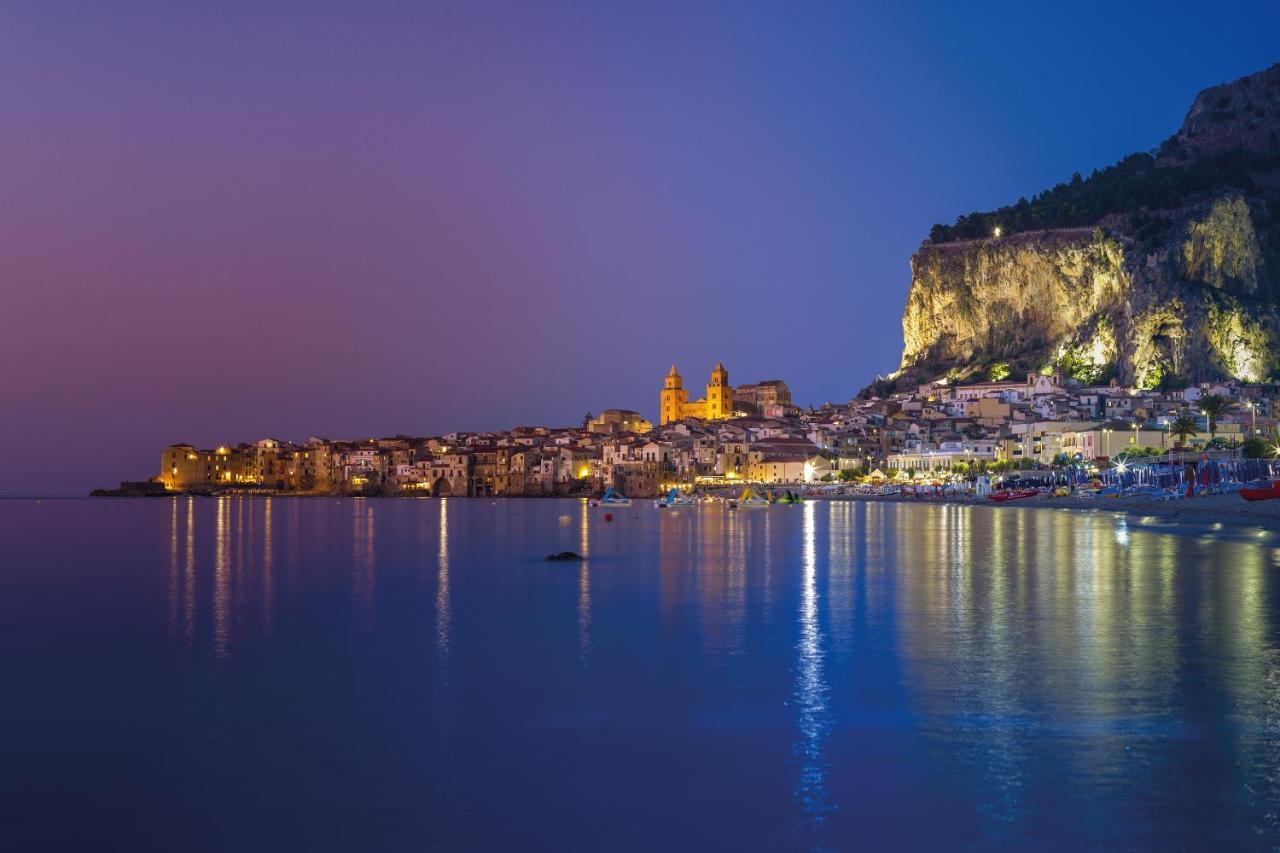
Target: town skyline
753, 434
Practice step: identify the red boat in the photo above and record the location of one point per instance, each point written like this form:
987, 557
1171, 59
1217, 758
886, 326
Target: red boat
1001, 497
1263, 494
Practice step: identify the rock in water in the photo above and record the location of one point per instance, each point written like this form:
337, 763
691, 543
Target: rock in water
566, 556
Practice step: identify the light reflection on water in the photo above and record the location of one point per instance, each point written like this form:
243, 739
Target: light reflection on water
584, 583
175, 573
222, 582
811, 692
442, 583
364, 574
189, 579
775, 678
268, 558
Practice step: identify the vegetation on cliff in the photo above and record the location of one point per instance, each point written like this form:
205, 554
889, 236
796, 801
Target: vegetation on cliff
1229, 138
1136, 184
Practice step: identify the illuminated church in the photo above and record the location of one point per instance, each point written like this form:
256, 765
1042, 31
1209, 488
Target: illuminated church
716, 406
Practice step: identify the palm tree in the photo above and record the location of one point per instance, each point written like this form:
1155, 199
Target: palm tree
1211, 407
1183, 426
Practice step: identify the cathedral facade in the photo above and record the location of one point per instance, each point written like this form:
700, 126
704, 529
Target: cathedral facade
717, 405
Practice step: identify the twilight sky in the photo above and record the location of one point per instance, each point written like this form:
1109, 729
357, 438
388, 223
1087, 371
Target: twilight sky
225, 221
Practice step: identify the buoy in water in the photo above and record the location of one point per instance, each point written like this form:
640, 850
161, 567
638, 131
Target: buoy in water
608, 516
566, 519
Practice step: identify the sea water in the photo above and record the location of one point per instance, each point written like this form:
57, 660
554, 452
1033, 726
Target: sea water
326, 674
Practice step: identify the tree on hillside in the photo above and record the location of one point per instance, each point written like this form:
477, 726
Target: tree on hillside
1212, 406
1182, 427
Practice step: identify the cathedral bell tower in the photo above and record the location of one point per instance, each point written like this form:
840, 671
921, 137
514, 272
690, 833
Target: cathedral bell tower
672, 401
719, 395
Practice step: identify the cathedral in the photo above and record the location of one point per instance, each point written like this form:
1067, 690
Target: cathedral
716, 406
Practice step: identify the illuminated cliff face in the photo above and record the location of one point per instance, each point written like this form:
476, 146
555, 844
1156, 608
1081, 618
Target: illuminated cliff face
1179, 280
1242, 344
1158, 338
1221, 249
1199, 304
989, 299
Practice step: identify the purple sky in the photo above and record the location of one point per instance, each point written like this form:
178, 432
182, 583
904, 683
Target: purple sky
227, 221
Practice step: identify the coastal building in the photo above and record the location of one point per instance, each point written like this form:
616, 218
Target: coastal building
450, 473
788, 466
184, 467
1111, 438
636, 479
1042, 440
944, 456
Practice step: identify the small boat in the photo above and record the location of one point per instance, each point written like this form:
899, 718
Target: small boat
612, 498
674, 498
1261, 493
750, 498
1017, 495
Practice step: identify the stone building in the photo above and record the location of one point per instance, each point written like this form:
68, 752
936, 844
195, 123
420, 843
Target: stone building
614, 421
674, 405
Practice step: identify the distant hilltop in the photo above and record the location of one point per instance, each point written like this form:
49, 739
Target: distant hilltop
1161, 270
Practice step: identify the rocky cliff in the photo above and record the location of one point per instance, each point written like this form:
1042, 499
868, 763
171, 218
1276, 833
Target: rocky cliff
1163, 268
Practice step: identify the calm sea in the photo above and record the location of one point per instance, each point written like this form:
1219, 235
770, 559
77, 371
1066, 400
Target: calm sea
319, 674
